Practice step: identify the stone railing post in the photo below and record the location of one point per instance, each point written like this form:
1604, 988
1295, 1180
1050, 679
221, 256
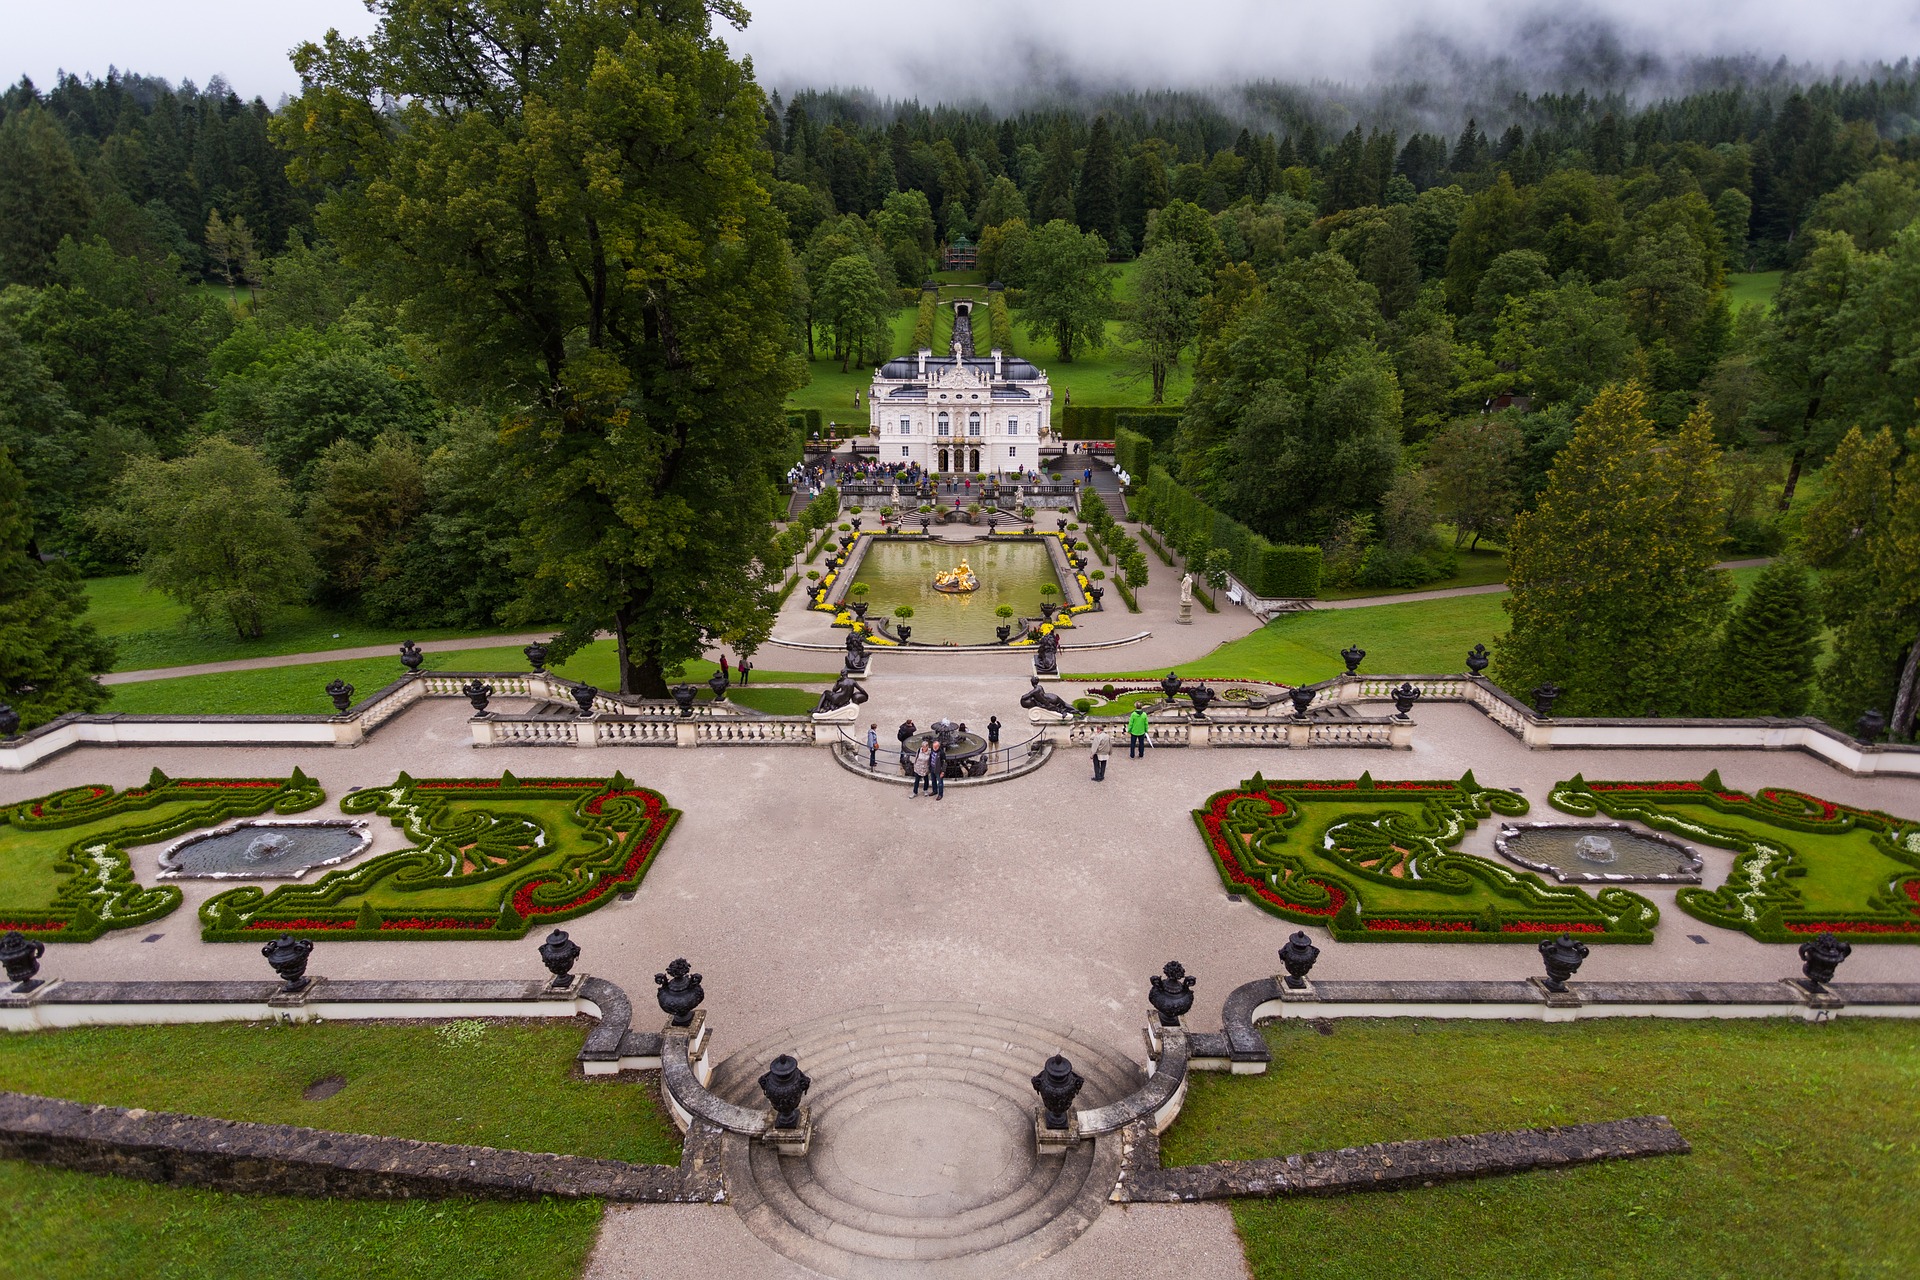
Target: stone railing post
482, 729
1299, 733
1400, 735
686, 733
586, 731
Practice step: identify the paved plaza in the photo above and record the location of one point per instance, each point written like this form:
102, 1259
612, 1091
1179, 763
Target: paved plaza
804, 891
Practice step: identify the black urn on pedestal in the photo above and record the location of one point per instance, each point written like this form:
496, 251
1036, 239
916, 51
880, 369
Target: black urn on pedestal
21, 956
859, 608
1403, 699
926, 522
1171, 993
341, 692
1563, 957
1544, 696
684, 694
1063, 522
1353, 656
1302, 696
583, 696
479, 693
9, 721
904, 631
1871, 724
785, 1084
1048, 610
410, 656
1003, 632
288, 956
1819, 958
558, 953
1170, 684
1477, 659
718, 683
1298, 956
1096, 593
536, 656
680, 993
1202, 698
1058, 1084
855, 522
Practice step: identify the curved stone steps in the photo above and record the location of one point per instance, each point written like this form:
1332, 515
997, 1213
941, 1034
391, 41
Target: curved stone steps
923, 1161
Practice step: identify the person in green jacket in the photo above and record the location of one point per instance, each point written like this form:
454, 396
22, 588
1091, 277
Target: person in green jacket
1136, 734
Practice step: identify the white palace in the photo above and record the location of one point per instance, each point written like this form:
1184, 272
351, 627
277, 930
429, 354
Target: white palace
960, 413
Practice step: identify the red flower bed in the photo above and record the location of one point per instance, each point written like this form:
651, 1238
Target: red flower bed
643, 849
1854, 926
1328, 786
1420, 926
652, 801
302, 923
224, 783
1550, 926
1643, 786
416, 923
1912, 889
458, 784
31, 926
1214, 821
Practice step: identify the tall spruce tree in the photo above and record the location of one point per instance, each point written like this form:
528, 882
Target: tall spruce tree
1613, 592
49, 654
1098, 202
1767, 656
571, 201
1053, 196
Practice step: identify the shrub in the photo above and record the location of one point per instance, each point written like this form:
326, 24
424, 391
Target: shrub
903, 612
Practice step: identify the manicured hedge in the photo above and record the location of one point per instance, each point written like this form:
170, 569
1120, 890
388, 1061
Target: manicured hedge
1265, 568
1132, 452
923, 323
1000, 321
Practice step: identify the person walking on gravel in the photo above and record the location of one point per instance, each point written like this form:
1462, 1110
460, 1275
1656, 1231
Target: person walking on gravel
1102, 749
1137, 734
873, 746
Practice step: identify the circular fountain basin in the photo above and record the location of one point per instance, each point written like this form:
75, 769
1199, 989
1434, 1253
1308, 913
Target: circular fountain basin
966, 757
1597, 853
265, 850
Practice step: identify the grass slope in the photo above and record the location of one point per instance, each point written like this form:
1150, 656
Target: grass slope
1792, 1125
1752, 288
300, 689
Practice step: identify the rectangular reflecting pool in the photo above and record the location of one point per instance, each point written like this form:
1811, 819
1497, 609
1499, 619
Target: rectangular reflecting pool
1011, 572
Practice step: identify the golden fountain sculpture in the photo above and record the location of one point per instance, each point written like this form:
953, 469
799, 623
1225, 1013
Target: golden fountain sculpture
956, 581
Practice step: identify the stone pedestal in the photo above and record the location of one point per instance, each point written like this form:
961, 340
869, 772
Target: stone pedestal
1186, 613
685, 733
1054, 1142
1562, 1006
790, 1142
294, 999
566, 990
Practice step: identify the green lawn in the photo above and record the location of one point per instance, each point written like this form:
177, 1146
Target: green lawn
1420, 637
511, 1085
152, 631
1804, 1148
301, 689
1751, 288
78, 1226
498, 1084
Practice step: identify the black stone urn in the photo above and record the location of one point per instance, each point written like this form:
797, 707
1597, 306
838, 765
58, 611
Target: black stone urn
558, 953
1819, 959
479, 693
926, 522
1563, 957
1298, 956
410, 656
1544, 696
1202, 698
21, 956
718, 683
684, 694
1302, 696
785, 1084
1048, 610
855, 522
679, 993
1353, 656
1003, 632
1063, 522
1170, 684
993, 523
536, 656
1477, 659
1171, 993
904, 631
583, 696
288, 956
1871, 724
1403, 699
342, 694
1096, 593
859, 608
9, 721
1058, 1084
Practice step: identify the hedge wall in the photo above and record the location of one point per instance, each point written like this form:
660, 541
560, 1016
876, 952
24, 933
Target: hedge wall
1000, 321
923, 323
1265, 568
1132, 452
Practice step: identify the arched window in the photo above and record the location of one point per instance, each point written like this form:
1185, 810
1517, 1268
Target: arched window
973, 424
943, 424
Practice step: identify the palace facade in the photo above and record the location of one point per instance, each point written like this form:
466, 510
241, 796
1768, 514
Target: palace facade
960, 414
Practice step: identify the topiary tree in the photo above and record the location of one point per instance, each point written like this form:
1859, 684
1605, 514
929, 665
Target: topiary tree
1768, 653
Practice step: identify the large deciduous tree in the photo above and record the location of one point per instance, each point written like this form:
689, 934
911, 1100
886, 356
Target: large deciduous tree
571, 198
48, 654
1863, 534
1613, 594
1165, 317
1069, 288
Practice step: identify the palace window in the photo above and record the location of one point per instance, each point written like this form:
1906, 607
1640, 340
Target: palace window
1013, 426
973, 425
906, 426
906, 451
943, 425
1013, 451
